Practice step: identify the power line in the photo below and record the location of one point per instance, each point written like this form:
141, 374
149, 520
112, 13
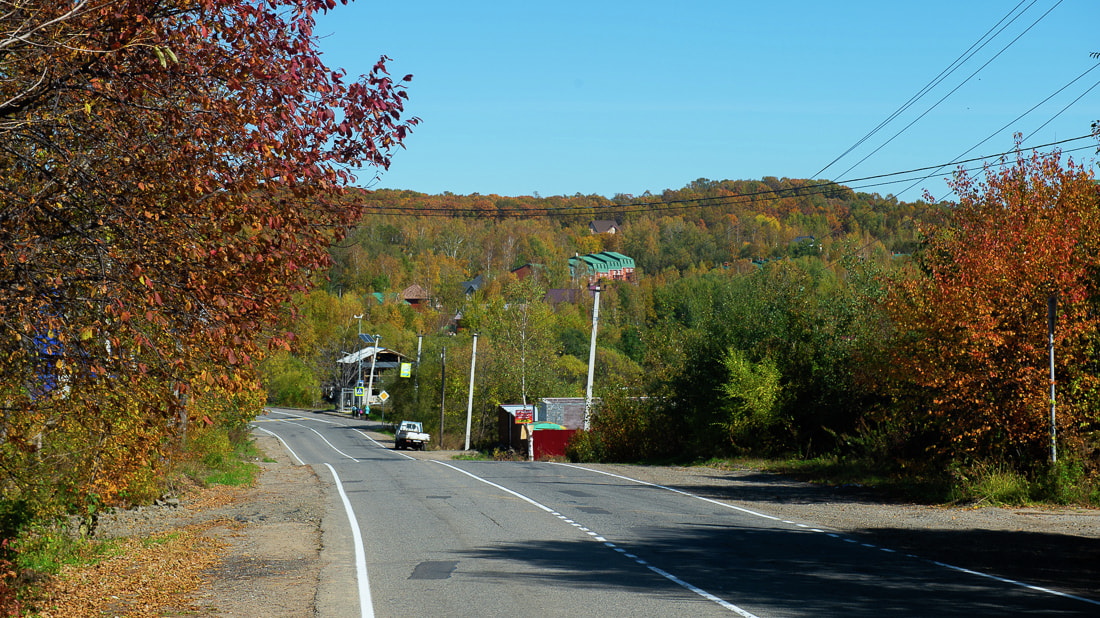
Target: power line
701, 202
1015, 120
953, 90
944, 74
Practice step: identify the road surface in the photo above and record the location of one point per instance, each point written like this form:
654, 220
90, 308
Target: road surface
409, 535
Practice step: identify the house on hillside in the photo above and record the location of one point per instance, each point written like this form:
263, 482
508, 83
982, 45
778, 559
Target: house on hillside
604, 226
473, 285
527, 270
415, 296
606, 265
556, 296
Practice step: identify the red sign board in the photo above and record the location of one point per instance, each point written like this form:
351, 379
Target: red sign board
525, 416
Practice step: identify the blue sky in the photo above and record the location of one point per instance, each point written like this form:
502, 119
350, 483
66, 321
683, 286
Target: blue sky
609, 97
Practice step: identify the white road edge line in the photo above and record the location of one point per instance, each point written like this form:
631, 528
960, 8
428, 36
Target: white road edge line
319, 420
750, 512
672, 578
285, 445
366, 605
322, 439
382, 446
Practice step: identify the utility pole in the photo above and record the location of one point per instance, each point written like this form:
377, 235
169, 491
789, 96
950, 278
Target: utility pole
442, 393
359, 381
370, 380
1052, 309
591, 361
470, 402
419, 343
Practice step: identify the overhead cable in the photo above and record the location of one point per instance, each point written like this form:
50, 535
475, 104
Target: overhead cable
688, 203
953, 90
1015, 120
944, 74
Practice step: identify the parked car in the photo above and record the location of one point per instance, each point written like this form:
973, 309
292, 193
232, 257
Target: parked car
410, 434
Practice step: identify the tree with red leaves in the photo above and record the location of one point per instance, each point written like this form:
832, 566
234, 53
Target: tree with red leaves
171, 173
971, 366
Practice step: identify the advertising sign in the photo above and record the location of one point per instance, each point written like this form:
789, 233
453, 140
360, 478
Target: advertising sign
406, 370
525, 416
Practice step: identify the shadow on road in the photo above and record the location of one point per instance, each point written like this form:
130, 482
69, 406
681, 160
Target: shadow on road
789, 572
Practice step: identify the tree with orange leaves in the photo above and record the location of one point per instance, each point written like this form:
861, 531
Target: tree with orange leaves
170, 175
971, 364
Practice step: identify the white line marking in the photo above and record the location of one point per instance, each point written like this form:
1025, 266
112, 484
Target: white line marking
383, 446
1005, 580
702, 593
285, 445
846, 540
673, 490
366, 606
322, 439
304, 418
665, 574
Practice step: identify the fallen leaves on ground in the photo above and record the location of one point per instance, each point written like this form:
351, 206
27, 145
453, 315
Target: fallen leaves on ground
143, 579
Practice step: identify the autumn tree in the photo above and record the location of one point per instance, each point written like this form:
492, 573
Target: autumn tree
970, 365
171, 175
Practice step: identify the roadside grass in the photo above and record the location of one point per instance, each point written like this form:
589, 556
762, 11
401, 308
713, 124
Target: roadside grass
977, 484
473, 456
850, 473
235, 469
49, 550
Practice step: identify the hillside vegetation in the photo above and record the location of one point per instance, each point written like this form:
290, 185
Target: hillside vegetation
771, 317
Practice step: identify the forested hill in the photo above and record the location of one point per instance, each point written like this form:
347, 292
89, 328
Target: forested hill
703, 225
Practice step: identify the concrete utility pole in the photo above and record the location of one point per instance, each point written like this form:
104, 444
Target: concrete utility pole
370, 380
591, 361
1052, 310
419, 343
470, 402
442, 393
359, 381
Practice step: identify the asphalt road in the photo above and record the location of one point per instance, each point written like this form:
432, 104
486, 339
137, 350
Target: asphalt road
407, 535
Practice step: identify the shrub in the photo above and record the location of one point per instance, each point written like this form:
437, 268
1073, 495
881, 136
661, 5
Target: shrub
584, 447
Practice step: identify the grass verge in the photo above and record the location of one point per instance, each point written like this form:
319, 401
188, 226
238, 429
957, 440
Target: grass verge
979, 484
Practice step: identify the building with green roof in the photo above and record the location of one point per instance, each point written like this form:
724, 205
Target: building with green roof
602, 265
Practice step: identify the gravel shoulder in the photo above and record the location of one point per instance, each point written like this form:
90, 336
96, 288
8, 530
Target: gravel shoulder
271, 559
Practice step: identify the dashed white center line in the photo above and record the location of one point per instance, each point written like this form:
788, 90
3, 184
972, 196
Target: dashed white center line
703, 593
